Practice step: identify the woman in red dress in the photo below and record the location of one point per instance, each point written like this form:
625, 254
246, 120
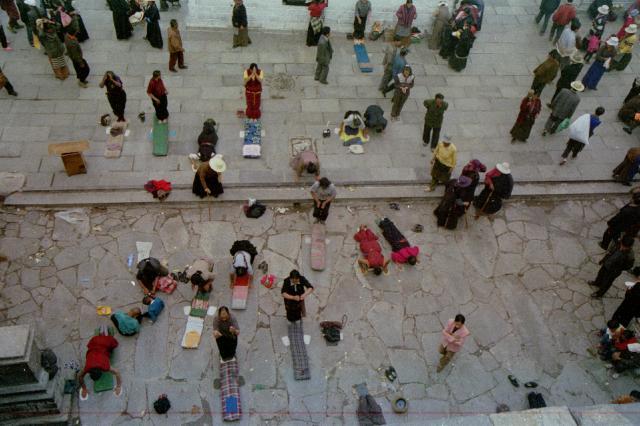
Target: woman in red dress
253, 91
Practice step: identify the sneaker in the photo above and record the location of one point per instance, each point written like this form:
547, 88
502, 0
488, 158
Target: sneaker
13, 93
563, 161
627, 129
184, 67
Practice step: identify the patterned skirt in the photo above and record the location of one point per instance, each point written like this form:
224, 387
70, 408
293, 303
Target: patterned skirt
59, 66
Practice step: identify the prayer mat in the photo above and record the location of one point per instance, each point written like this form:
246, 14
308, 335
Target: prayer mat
318, 247
106, 382
229, 391
252, 146
199, 305
363, 58
299, 357
240, 293
192, 332
160, 135
299, 144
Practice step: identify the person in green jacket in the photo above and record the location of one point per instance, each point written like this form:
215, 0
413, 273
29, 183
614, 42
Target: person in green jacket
74, 51
128, 323
433, 120
547, 7
47, 31
323, 56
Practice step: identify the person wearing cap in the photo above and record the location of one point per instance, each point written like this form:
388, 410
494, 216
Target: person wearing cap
626, 221
561, 18
602, 63
579, 133
152, 16
498, 185
208, 178
563, 106
566, 45
569, 74
530, 108
324, 53
547, 7
443, 162
628, 168
403, 83
441, 17
406, 14
625, 48
157, 92
619, 258
4, 82
454, 202
433, 120
120, 14
399, 62
323, 193
362, 12
545, 73
240, 24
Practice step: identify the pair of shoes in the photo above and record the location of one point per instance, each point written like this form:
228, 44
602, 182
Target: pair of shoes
184, 67
513, 380
384, 93
83, 84
173, 70
627, 130
13, 93
323, 82
563, 161
592, 283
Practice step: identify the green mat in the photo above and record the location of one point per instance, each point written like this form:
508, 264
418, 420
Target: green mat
106, 381
160, 137
199, 305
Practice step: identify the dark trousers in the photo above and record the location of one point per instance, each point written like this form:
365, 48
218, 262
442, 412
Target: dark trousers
8, 86
604, 280
227, 347
161, 108
558, 89
573, 147
321, 213
358, 29
82, 70
610, 235
432, 133
3, 38
557, 30
552, 123
546, 16
176, 57
537, 86
322, 71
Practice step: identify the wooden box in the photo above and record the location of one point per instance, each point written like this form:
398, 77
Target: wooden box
71, 154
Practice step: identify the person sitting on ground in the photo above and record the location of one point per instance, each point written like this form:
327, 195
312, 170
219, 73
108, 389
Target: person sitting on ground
148, 270
154, 304
306, 160
610, 336
225, 331
128, 323
374, 118
352, 129
403, 252
243, 253
201, 275
627, 353
372, 252
97, 361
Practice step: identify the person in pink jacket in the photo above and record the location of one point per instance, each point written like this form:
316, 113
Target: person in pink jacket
453, 336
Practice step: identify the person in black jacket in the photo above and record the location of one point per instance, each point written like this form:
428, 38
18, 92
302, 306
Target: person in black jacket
239, 22
619, 258
630, 306
627, 220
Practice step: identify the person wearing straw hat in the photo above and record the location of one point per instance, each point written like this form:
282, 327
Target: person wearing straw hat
601, 64
443, 162
498, 185
625, 48
208, 178
569, 74
563, 106
592, 39
630, 19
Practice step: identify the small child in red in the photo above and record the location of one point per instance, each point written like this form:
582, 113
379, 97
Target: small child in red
370, 248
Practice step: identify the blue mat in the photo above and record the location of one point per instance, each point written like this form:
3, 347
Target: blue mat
363, 58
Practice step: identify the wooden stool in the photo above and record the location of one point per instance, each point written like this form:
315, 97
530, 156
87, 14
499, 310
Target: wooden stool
71, 154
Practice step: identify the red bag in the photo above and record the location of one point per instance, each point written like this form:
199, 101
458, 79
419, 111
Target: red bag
165, 284
594, 44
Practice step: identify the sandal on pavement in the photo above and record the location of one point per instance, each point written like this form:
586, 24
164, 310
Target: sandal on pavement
513, 380
531, 385
391, 374
216, 383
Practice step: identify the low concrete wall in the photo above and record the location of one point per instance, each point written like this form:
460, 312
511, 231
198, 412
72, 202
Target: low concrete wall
274, 15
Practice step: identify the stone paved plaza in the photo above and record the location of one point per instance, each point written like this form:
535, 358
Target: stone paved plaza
520, 279
484, 100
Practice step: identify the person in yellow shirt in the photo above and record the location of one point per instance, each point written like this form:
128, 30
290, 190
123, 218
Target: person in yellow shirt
625, 48
443, 162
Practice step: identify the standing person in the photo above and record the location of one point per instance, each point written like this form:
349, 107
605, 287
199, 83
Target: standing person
77, 59
295, 290
116, 95
452, 206
460, 54
9, 6
566, 45
390, 53
569, 74
601, 64
33, 13
563, 15
208, 178
362, 12
472, 170
176, 51
441, 17
4, 82
316, 12
619, 258
547, 7
406, 14
433, 120
454, 335
530, 108
403, 84
626, 221
592, 40
324, 53
53, 48
579, 133
563, 106
625, 171
443, 162
625, 48
152, 16
240, 24
397, 66
629, 308
97, 362
3, 40
158, 95
323, 193
545, 73
253, 91
225, 332
498, 185
120, 14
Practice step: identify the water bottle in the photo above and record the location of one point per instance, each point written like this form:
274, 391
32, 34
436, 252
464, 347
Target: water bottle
130, 261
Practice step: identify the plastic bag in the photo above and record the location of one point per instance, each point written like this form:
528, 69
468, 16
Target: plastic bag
563, 124
65, 19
